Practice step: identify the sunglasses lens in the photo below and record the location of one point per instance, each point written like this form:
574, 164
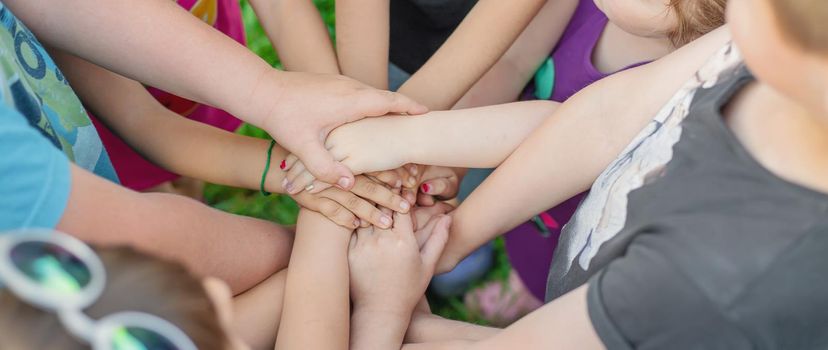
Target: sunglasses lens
51, 266
139, 338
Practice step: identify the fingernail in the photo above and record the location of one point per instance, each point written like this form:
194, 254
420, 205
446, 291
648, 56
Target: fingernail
412, 181
398, 184
356, 223
282, 165
289, 188
386, 221
413, 170
425, 188
405, 206
344, 182
284, 183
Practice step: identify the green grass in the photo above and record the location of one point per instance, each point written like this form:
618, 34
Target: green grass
282, 209
257, 40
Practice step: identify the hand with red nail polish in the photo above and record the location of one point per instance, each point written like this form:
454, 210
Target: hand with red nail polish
438, 184
425, 188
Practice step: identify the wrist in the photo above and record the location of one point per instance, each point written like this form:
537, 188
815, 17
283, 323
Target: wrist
416, 128
265, 95
377, 329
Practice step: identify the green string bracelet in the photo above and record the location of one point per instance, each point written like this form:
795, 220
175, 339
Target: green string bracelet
267, 168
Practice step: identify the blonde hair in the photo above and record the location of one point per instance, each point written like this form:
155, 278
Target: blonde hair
135, 282
804, 21
696, 18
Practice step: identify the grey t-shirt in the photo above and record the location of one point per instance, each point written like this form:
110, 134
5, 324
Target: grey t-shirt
715, 251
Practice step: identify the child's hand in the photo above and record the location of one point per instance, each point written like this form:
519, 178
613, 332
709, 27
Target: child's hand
405, 178
347, 208
438, 184
297, 179
390, 269
307, 107
422, 184
367, 146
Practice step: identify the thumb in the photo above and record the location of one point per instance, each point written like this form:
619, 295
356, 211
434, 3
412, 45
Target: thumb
433, 248
375, 103
322, 165
405, 105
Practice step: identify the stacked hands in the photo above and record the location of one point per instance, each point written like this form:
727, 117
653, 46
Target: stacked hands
383, 179
398, 221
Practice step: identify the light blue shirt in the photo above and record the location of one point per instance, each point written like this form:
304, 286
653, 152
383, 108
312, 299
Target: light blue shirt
43, 127
34, 175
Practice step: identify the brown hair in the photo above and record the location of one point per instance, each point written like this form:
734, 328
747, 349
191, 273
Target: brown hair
696, 18
804, 21
135, 282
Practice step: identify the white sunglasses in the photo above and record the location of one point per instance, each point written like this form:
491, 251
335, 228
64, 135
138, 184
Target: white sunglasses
58, 273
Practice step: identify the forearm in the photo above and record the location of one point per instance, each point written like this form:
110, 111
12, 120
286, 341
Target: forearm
203, 152
219, 157
473, 46
316, 312
507, 78
474, 138
433, 328
501, 84
297, 32
141, 47
377, 329
362, 40
240, 250
561, 324
181, 145
257, 312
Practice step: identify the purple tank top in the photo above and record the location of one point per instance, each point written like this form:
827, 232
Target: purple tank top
531, 245
573, 54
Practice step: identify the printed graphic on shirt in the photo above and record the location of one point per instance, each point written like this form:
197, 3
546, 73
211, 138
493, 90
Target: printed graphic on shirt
31, 83
206, 10
603, 213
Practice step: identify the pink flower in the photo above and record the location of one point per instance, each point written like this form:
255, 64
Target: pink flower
501, 303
